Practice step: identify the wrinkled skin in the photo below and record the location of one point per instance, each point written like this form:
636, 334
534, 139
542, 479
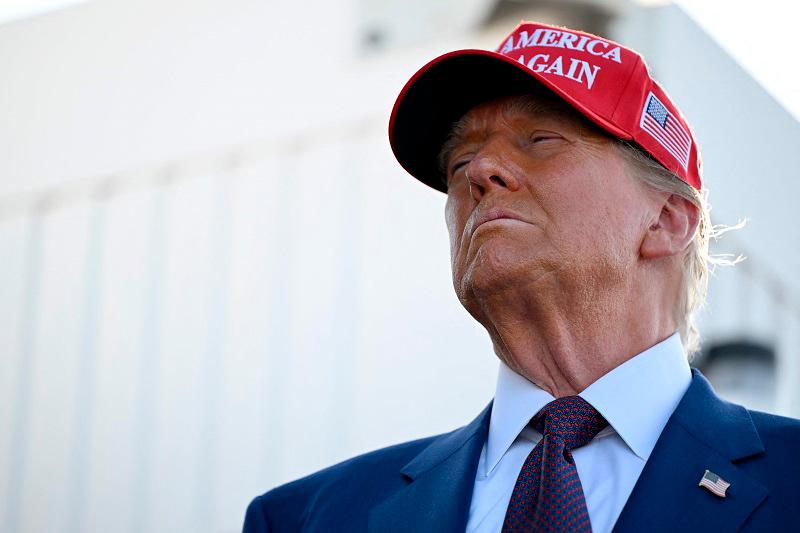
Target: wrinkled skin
582, 271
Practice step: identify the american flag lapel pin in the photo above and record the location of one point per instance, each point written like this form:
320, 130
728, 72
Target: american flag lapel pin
714, 483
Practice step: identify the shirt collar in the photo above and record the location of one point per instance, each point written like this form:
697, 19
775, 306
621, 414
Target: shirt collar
637, 398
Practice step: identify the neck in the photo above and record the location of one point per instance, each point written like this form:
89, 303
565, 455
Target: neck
564, 341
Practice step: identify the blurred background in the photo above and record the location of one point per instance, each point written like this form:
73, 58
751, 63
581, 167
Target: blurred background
216, 278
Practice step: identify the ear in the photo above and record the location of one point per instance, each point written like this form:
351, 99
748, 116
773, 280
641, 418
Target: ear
671, 229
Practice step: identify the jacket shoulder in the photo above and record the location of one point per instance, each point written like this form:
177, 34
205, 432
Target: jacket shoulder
355, 484
776, 430
776, 469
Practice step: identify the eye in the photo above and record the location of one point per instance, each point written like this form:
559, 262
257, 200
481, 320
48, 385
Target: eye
454, 168
543, 137
458, 165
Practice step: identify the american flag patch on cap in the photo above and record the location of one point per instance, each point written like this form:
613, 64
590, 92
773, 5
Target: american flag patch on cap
666, 129
714, 483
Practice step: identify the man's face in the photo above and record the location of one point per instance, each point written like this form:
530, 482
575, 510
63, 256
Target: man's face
563, 210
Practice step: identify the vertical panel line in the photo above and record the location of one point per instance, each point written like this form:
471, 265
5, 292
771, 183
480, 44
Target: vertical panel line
87, 372
147, 374
29, 325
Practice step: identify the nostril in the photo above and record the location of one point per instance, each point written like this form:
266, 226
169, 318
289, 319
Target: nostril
497, 180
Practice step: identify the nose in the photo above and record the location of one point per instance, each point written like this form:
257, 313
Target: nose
488, 172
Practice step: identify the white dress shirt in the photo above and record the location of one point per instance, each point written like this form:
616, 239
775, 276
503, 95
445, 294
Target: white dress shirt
637, 398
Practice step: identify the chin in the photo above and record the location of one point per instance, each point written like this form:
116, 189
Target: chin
494, 268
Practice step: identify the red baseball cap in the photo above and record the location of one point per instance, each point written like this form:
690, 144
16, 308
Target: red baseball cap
606, 82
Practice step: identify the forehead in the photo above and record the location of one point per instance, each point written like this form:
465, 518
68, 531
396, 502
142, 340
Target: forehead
526, 108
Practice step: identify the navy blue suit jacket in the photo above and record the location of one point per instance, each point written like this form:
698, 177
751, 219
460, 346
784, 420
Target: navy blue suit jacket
426, 485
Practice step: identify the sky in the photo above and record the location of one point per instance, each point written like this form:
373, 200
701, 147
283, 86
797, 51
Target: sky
18, 9
758, 34
761, 36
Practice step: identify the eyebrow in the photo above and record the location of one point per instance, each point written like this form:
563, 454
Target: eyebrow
528, 104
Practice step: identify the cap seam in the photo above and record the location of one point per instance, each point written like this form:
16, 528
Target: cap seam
625, 90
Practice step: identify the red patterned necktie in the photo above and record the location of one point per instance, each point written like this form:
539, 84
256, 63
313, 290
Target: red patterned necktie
548, 496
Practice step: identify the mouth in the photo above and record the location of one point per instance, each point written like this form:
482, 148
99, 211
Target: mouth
496, 213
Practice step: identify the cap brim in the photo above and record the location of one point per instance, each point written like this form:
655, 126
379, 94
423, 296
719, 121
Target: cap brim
442, 91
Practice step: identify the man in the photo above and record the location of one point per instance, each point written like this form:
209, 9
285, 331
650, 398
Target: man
578, 238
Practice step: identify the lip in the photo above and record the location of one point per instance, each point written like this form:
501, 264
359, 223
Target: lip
496, 213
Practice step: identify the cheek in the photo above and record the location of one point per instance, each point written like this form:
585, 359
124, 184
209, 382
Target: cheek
450, 220
603, 223
580, 221
455, 217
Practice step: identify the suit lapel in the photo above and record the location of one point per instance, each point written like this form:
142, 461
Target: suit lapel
704, 432
441, 481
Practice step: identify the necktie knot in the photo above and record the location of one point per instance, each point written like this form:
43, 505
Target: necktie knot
570, 418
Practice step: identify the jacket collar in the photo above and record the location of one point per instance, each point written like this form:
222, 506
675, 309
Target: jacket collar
704, 433
441, 478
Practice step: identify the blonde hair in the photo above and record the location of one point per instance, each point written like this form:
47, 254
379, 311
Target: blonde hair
698, 262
